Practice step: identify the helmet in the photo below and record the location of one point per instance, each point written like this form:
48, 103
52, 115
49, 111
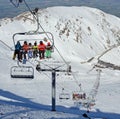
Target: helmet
30, 44
48, 43
35, 43
41, 42
25, 42
18, 42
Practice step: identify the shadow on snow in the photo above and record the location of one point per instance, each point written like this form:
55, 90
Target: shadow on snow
28, 105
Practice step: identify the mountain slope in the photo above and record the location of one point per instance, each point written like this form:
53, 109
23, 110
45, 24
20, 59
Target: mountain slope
90, 29
80, 33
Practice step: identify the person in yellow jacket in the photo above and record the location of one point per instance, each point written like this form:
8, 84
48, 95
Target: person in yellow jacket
35, 50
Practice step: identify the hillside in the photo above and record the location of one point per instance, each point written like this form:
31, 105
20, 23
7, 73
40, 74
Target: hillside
83, 36
86, 27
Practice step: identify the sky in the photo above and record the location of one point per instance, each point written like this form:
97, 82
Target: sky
82, 36
109, 6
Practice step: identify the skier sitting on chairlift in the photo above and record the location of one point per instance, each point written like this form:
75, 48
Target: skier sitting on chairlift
48, 50
30, 51
25, 48
41, 48
17, 51
35, 50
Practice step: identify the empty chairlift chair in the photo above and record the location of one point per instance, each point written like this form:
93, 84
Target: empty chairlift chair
63, 95
22, 72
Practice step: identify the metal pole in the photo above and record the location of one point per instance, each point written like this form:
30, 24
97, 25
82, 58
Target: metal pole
53, 90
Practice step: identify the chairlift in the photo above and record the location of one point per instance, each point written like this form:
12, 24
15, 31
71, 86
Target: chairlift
81, 99
22, 72
63, 95
26, 71
83, 102
79, 95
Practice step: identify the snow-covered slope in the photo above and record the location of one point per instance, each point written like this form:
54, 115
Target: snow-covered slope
83, 36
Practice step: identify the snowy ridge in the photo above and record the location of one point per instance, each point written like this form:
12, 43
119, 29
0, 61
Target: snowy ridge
82, 35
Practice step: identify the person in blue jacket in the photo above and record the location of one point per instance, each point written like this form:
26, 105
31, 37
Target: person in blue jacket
17, 51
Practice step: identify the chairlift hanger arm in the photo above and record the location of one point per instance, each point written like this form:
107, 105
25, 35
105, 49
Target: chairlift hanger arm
36, 18
32, 33
15, 35
34, 13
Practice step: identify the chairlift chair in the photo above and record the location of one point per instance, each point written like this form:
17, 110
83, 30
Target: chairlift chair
81, 100
79, 95
63, 95
22, 72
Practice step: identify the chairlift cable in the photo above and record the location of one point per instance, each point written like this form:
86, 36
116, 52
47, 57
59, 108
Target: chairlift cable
94, 90
36, 18
76, 81
6, 45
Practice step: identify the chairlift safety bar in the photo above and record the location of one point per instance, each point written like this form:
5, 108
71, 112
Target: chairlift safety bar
33, 33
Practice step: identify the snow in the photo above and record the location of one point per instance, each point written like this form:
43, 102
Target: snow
83, 36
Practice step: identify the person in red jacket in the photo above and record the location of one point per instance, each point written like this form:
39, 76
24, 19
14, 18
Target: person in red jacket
25, 48
41, 48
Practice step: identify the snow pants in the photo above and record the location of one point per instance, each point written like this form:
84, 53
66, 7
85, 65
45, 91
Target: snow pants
48, 53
